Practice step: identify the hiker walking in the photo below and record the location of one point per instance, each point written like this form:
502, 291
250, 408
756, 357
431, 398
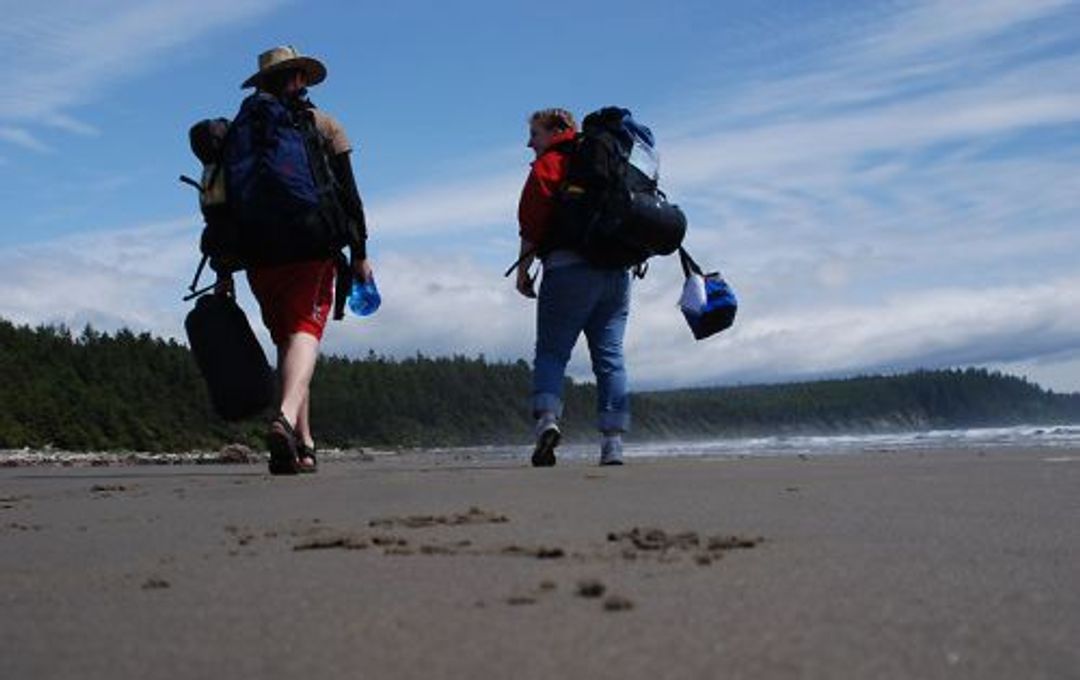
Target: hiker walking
291, 186
574, 297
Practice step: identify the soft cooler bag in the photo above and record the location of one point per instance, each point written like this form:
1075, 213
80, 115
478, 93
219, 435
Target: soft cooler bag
707, 301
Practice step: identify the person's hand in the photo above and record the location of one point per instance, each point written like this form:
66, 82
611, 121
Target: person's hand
362, 270
224, 285
525, 283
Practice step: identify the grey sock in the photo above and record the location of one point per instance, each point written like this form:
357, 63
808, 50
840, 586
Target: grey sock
546, 421
611, 449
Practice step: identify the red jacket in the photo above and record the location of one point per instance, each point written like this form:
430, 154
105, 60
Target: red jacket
538, 196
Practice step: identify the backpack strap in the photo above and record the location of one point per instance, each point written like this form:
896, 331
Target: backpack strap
187, 180
688, 265
342, 284
517, 263
194, 287
567, 146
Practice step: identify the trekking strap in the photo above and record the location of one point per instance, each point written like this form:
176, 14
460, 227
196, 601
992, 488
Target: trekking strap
194, 293
187, 180
688, 265
517, 263
342, 285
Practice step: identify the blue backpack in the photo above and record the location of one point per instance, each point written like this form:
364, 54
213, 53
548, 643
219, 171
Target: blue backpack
280, 189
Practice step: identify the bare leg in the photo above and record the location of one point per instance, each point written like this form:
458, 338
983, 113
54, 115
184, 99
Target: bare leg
303, 423
296, 365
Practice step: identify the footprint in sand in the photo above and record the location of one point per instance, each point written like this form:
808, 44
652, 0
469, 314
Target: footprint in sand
474, 515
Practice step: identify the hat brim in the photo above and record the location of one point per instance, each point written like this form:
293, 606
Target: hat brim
312, 68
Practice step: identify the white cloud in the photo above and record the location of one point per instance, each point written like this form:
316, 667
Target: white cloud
937, 25
64, 53
931, 328
66, 123
126, 277
23, 138
449, 208
136, 276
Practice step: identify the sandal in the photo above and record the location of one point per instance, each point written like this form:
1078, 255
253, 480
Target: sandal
306, 458
281, 440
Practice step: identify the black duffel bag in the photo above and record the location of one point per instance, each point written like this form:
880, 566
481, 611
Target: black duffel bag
238, 376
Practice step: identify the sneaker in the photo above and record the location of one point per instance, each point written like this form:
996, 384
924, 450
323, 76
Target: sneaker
546, 441
611, 451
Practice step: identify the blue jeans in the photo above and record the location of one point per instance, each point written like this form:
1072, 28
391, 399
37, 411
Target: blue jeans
575, 298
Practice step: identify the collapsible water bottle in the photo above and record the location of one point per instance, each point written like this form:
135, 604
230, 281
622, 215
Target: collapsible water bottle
364, 297
644, 158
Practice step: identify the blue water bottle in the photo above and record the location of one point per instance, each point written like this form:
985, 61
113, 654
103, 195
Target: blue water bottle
364, 297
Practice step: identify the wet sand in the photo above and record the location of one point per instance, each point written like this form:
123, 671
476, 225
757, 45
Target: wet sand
907, 565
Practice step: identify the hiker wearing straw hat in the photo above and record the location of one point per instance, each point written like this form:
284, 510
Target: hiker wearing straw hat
282, 155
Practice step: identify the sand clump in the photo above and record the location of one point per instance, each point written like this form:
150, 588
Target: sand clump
668, 545
331, 542
591, 589
474, 515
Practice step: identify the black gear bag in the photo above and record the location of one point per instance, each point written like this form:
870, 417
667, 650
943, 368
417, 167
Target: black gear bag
230, 358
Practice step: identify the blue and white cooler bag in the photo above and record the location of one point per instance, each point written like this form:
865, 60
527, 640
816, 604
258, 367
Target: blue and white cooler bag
707, 301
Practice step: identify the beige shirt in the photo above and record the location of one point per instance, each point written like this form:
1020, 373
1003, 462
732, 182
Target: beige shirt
333, 134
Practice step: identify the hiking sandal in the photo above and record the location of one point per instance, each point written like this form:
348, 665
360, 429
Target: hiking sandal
307, 463
281, 440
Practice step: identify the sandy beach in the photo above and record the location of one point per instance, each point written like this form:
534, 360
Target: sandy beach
912, 565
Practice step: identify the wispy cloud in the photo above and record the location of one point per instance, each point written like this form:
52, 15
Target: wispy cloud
930, 28
65, 53
23, 138
135, 277
110, 278
451, 208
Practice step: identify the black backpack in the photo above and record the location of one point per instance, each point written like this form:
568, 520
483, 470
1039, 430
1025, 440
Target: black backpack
610, 207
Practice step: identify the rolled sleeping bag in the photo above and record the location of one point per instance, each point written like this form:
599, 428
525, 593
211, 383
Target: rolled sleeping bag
655, 224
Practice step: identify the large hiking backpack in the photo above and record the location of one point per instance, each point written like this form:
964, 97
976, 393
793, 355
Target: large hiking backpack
279, 186
610, 208
267, 193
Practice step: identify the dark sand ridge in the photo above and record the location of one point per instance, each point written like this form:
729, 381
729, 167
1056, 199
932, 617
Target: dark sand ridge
886, 566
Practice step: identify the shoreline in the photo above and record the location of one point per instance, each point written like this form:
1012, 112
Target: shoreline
1059, 436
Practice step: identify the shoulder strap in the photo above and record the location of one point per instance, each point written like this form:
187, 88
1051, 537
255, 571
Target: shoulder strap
688, 265
342, 284
194, 289
319, 157
567, 146
528, 253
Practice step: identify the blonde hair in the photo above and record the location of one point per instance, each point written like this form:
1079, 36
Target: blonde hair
554, 119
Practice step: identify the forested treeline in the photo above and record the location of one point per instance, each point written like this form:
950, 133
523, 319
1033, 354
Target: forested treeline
917, 400
96, 391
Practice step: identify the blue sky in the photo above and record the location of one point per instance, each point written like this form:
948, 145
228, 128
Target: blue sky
888, 185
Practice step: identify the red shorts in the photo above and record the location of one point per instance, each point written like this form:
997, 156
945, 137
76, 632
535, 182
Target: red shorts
295, 297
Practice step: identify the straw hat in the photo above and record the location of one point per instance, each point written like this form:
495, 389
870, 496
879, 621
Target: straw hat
284, 57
